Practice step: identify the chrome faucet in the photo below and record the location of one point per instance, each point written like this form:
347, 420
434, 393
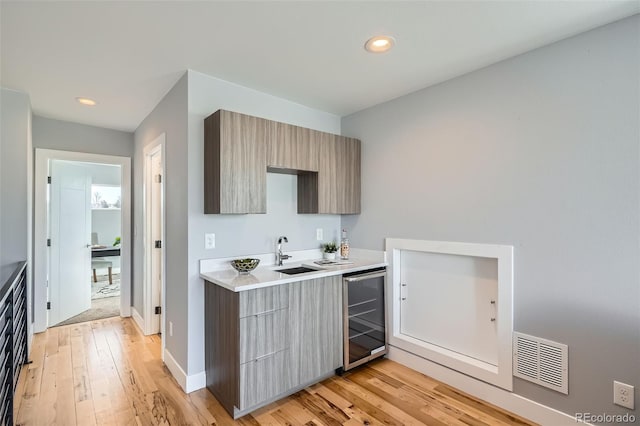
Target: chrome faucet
279, 256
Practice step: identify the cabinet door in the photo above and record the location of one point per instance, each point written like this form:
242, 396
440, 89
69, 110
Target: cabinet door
263, 334
292, 148
235, 163
264, 378
261, 301
339, 175
316, 310
348, 172
264, 347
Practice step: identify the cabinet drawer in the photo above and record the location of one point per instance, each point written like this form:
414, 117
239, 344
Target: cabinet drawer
264, 378
263, 334
263, 300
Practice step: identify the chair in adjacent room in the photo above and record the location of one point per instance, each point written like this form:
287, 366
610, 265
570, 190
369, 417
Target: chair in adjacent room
100, 262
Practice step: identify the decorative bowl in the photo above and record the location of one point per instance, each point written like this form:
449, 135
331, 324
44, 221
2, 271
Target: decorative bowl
244, 266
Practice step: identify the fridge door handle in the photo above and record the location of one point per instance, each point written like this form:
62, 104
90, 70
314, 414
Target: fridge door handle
365, 277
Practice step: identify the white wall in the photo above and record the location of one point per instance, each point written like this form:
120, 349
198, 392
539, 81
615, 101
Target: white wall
244, 234
541, 152
106, 222
105, 174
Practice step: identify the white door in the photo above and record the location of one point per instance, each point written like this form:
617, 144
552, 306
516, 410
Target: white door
156, 237
70, 252
451, 301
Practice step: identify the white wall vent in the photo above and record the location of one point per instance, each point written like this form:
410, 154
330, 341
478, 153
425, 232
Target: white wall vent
541, 361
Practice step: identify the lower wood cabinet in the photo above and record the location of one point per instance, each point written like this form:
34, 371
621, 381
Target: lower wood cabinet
264, 344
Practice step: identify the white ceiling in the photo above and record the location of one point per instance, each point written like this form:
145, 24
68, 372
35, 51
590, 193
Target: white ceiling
127, 55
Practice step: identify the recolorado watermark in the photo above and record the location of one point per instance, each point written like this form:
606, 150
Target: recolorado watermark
605, 418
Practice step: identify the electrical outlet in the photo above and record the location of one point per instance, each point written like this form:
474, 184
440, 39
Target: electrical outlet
319, 235
170, 328
623, 395
209, 241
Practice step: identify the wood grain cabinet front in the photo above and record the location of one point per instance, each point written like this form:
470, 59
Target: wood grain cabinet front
335, 189
292, 148
235, 163
264, 378
267, 343
239, 149
263, 334
263, 300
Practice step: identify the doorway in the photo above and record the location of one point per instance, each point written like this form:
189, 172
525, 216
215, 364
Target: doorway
81, 291
82, 237
153, 237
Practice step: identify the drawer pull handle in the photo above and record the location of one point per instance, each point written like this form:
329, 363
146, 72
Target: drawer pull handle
261, 357
259, 314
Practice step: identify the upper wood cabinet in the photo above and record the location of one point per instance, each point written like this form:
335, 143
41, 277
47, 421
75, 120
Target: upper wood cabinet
335, 189
235, 166
238, 150
293, 148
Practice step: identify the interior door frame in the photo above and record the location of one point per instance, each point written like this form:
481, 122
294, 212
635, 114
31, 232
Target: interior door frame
155, 146
43, 159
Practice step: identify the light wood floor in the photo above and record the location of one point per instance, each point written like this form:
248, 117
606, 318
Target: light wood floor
106, 372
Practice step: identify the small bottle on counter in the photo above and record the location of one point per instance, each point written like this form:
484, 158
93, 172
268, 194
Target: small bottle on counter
344, 246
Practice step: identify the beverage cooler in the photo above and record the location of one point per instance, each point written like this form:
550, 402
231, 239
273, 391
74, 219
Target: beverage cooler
364, 317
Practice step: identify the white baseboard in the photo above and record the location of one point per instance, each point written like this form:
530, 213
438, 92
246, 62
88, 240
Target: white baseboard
138, 319
507, 400
187, 383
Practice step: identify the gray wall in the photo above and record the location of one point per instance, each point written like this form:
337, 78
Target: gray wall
169, 117
541, 152
66, 136
15, 148
241, 234
180, 115
16, 193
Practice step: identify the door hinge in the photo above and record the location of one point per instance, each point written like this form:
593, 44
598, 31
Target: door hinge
158, 244
48, 242
158, 310
159, 178
48, 305
48, 179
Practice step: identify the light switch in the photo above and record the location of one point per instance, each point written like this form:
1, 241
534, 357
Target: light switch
319, 234
209, 241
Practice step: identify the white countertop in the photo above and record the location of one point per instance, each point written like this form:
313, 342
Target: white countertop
266, 276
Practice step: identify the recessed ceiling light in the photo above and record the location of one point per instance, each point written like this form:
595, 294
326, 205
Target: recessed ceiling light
87, 101
379, 44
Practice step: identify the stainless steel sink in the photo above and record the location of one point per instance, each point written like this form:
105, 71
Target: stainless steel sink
296, 270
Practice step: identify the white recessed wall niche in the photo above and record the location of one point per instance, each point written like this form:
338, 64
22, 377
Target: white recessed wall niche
452, 303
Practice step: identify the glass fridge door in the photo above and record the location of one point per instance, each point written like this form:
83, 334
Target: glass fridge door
364, 318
